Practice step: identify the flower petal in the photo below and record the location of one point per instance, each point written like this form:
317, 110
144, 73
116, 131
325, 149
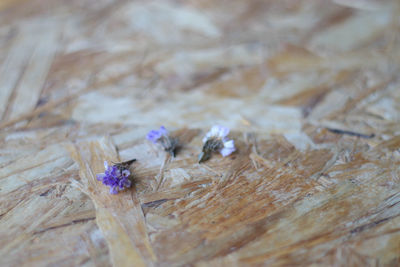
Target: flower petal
153, 136
114, 190
223, 131
163, 131
226, 151
121, 185
229, 144
214, 130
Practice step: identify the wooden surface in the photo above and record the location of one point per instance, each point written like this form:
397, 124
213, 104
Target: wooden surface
309, 88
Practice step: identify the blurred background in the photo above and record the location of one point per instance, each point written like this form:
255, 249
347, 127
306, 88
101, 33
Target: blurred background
264, 64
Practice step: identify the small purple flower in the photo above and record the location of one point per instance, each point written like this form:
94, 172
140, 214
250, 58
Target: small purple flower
155, 135
116, 176
162, 138
217, 140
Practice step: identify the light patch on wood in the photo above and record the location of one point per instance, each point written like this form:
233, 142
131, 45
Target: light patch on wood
353, 32
12, 67
35, 74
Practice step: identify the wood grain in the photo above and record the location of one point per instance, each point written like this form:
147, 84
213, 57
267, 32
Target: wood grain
310, 90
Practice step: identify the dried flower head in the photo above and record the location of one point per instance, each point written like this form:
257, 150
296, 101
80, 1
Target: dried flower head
216, 140
116, 176
162, 138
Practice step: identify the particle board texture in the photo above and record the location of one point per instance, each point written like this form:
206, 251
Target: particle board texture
310, 90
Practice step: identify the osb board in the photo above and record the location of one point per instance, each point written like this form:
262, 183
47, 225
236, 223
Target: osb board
310, 90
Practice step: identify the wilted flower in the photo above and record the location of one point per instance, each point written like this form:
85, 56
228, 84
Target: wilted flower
161, 137
216, 140
116, 176
155, 135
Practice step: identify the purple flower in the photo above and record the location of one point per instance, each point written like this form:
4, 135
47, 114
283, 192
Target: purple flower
155, 135
217, 140
162, 138
116, 176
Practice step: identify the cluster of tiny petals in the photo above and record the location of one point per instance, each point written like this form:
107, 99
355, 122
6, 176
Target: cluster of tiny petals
221, 133
155, 135
218, 132
113, 177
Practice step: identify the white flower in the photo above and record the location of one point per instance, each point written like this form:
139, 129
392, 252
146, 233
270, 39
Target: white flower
220, 133
229, 148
